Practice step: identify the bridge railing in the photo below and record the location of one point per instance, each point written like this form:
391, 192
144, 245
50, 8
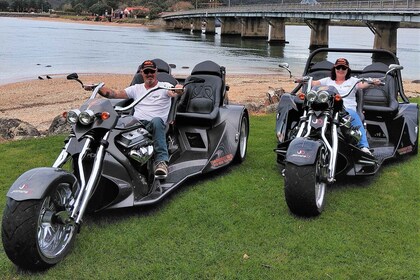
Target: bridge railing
378, 5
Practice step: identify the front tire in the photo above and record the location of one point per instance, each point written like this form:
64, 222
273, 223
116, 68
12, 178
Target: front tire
305, 187
33, 234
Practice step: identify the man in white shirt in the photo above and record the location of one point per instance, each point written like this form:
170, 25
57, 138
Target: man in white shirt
152, 111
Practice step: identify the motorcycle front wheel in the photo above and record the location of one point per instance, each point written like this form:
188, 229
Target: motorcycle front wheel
35, 233
305, 187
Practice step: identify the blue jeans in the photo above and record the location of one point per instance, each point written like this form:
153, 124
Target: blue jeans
356, 121
157, 128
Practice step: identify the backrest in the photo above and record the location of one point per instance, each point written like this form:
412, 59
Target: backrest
201, 100
319, 70
208, 67
379, 98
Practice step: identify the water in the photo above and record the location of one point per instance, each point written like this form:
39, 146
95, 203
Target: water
29, 48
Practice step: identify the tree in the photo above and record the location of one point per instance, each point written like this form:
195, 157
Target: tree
113, 3
4, 5
19, 5
79, 8
182, 6
99, 8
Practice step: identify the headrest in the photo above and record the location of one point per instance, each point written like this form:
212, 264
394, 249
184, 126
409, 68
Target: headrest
207, 68
376, 67
165, 77
162, 66
322, 65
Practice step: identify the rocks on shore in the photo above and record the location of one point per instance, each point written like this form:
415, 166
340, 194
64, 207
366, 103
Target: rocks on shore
16, 129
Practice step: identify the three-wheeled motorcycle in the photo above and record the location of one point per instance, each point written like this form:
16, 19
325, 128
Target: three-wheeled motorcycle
316, 141
97, 168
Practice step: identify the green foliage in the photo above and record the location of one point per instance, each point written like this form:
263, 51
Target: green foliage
234, 224
99, 8
4, 5
29, 6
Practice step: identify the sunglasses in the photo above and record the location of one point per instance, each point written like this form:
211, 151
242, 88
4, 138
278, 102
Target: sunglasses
149, 71
341, 67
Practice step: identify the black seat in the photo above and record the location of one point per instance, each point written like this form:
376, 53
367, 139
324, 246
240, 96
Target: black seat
379, 101
201, 100
319, 70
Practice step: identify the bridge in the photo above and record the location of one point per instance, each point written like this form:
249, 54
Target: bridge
382, 17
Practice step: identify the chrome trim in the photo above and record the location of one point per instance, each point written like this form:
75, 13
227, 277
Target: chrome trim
302, 125
62, 157
93, 179
81, 176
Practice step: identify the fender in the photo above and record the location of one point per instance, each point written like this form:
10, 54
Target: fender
284, 115
35, 183
303, 151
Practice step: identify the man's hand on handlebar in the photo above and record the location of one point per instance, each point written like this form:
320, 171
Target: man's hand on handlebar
90, 87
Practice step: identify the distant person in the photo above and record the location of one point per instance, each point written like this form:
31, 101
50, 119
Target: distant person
341, 79
152, 111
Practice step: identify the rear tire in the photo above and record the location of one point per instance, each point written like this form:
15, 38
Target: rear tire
32, 236
305, 187
243, 139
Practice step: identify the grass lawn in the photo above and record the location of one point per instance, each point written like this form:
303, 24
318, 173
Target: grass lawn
235, 224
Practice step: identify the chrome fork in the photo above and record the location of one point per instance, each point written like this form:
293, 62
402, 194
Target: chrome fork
86, 189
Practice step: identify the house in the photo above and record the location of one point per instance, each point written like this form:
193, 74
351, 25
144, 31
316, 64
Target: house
138, 11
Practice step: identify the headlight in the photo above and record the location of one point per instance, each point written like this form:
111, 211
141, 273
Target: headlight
72, 116
323, 96
311, 96
86, 117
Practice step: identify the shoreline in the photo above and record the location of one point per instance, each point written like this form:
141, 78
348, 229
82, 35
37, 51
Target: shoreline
38, 102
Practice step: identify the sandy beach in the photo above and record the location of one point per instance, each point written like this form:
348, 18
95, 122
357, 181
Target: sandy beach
39, 101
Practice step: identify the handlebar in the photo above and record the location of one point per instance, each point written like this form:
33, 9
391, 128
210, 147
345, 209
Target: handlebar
308, 79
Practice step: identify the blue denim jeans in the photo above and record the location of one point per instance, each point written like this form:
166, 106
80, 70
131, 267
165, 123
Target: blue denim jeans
157, 128
356, 121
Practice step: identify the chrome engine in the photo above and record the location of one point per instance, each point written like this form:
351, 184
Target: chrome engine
139, 142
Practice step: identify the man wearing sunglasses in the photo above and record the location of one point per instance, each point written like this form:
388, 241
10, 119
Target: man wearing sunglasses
342, 80
152, 111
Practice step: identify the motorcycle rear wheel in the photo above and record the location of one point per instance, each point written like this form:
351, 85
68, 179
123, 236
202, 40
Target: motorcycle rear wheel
243, 140
305, 187
33, 238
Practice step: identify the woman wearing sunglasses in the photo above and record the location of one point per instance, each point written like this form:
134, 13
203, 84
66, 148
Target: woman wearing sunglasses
342, 80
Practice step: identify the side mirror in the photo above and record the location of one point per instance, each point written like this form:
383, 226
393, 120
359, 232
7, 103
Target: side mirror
74, 76
285, 65
393, 67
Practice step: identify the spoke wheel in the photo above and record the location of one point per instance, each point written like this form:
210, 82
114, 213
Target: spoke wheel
37, 234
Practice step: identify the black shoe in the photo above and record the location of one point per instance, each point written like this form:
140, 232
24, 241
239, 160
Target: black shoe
161, 170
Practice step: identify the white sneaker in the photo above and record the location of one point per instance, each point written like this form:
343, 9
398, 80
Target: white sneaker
366, 150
